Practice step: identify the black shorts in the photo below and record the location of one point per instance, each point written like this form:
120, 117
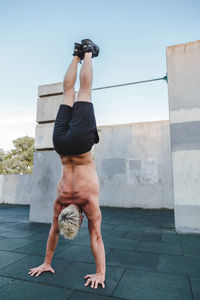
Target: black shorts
75, 130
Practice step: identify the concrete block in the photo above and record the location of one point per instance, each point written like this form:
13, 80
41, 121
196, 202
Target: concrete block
47, 108
23, 188
186, 177
8, 188
184, 115
185, 135
183, 63
187, 218
46, 174
15, 188
50, 89
43, 136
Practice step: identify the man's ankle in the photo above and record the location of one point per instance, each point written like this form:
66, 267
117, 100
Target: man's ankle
88, 55
77, 58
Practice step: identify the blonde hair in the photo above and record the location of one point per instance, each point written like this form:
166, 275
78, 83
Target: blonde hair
69, 221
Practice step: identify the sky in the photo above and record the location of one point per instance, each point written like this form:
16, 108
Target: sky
36, 44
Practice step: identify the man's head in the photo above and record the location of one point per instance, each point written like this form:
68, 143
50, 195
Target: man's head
69, 221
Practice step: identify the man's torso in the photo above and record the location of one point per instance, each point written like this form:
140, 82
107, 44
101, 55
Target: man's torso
79, 183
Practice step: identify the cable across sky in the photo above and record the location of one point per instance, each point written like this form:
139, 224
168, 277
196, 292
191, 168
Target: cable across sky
130, 83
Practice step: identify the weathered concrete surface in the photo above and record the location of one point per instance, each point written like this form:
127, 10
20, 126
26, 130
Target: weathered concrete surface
183, 63
43, 136
47, 108
134, 165
50, 89
15, 188
46, 173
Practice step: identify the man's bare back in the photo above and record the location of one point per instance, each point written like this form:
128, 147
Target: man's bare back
78, 185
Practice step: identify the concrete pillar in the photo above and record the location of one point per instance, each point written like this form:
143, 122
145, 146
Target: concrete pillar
46, 174
183, 64
47, 165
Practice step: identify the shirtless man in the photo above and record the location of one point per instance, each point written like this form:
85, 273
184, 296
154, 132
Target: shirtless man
74, 135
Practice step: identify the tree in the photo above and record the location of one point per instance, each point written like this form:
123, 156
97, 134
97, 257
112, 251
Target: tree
20, 159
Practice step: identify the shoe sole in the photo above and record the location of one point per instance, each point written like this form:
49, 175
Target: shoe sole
85, 41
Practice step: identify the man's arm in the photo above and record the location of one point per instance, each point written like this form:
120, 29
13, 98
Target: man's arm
97, 246
51, 246
52, 241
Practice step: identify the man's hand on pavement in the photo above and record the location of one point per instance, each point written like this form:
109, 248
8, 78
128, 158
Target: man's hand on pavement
40, 269
95, 280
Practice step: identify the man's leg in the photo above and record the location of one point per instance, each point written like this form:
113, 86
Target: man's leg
86, 77
69, 82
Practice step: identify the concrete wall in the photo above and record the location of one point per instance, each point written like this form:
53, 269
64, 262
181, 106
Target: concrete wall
183, 64
15, 188
46, 174
133, 163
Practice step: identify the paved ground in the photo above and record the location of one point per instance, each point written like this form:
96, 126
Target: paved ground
146, 258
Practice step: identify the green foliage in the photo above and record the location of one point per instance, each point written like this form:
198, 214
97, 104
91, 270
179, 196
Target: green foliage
20, 159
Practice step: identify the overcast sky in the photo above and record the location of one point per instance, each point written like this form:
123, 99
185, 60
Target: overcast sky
37, 39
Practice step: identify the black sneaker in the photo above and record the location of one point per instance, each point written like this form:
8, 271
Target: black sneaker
78, 51
89, 46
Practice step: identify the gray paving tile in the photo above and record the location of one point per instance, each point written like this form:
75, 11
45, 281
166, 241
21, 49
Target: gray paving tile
4, 281
24, 290
4, 229
156, 229
120, 233
168, 225
40, 236
180, 237
163, 218
13, 243
132, 259
147, 236
160, 247
108, 227
86, 296
13, 219
83, 240
18, 233
191, 249
141, 224
20, 269
39, 248
118, 243
83, 232
181, 265
135, 227
118, 220
73, 277
195, 283
145, 285
38, 227
7, 224
78, 253
7, 258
